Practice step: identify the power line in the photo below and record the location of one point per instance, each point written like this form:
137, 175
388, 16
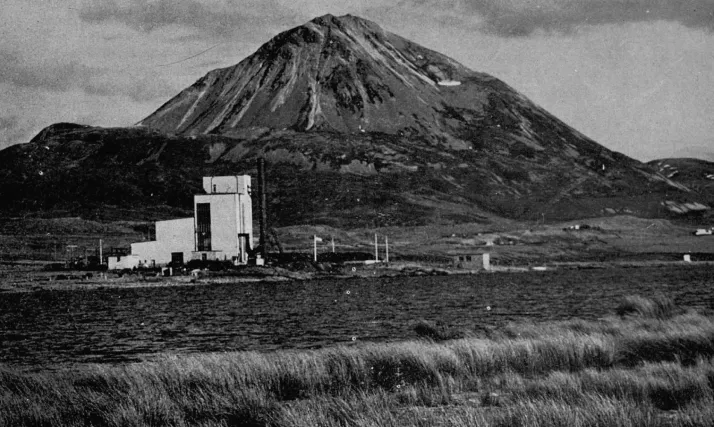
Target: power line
190, 57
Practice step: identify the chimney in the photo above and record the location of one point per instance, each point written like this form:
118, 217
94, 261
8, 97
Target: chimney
262, 206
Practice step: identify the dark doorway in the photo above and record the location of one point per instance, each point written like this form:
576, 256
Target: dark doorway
203, 227
177, 258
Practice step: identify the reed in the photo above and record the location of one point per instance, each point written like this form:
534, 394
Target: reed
659, 306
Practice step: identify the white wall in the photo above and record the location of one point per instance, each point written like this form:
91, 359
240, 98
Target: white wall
231, 214
226, 184
246, 210
122, 262
171, 236
151, 253
177, 234
224, 221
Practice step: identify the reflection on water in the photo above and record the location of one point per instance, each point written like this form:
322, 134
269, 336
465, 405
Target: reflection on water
113, 325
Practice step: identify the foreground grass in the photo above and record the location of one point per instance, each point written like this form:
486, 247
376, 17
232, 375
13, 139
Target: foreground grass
652, 366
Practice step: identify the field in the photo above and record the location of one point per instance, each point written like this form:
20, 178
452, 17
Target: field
611, 239
648, 364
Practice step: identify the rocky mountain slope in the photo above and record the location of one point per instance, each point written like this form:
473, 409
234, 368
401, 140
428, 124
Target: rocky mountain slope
695, 174
359, 127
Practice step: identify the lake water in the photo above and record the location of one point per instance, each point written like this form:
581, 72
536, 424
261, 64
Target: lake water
50, 328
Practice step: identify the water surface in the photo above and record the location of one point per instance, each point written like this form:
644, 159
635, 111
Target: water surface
47, 328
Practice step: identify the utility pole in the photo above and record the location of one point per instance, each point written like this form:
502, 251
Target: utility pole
262, 206
315, 239
386, 247
376, 248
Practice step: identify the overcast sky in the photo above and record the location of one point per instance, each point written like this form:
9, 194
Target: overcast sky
635, 75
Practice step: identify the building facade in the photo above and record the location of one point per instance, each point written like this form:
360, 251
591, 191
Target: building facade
224, 219
220, 229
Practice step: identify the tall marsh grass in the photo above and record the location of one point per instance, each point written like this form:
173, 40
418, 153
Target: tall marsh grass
659, 307
653, 368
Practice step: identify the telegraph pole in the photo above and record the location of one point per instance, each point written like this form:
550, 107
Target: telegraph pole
386, 247
376, 248
262, 206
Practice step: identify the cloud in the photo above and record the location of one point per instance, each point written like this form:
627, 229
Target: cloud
139, 89
63, 77
223, 18
7, 123
54, 77
519, 18
12, 131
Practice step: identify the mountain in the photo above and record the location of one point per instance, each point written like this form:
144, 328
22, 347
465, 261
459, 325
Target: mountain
359, 127
695, 174
343, 75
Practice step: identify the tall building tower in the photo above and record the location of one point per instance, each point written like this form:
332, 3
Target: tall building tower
223, 219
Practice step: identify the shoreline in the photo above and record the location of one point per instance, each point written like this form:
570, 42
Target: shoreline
43, 281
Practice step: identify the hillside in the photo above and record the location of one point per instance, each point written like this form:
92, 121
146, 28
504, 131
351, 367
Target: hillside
696, 174
359, 127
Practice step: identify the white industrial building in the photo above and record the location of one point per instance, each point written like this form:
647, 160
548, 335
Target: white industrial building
221, 229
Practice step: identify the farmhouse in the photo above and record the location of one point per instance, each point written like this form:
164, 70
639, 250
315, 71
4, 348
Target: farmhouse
221, 229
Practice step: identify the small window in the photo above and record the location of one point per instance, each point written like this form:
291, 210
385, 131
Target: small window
214, 188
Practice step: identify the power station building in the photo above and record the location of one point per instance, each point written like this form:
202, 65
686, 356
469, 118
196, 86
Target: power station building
221, 229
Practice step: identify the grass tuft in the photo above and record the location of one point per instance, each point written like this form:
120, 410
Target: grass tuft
658, 307
436, 331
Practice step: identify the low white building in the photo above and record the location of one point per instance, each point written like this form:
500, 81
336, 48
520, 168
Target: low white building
704, 232
123, 262
174, 242
220, 229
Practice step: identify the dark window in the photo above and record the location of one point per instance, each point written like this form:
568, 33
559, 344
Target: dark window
203, 226
177, 258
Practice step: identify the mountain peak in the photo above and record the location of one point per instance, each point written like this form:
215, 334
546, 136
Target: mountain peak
344, 21
343, 74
